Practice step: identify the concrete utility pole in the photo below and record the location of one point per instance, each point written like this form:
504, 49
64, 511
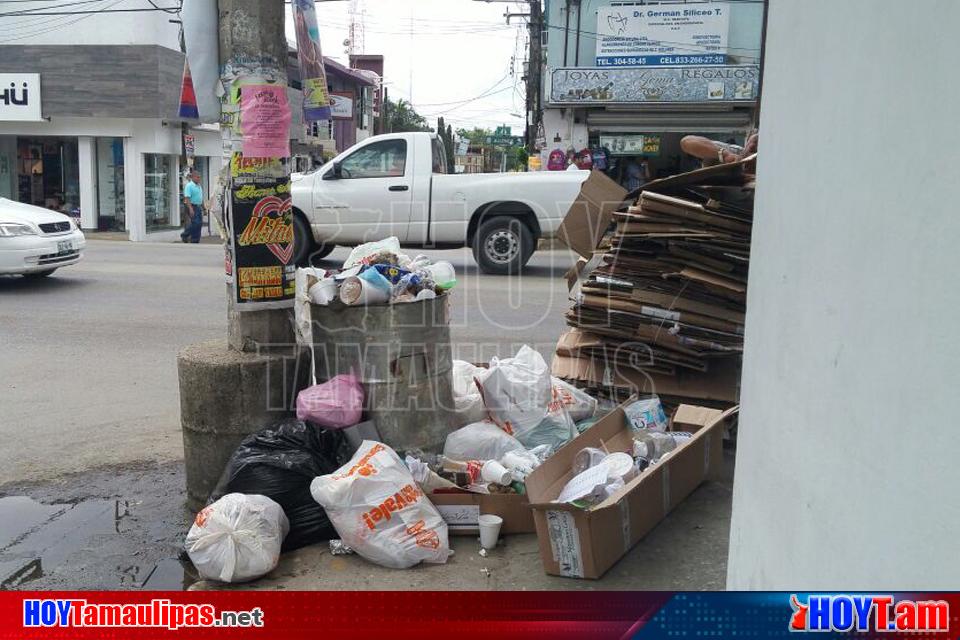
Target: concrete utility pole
253, 44
534, 76
232, 388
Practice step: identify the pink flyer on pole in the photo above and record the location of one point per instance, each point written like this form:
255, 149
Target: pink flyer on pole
265, 121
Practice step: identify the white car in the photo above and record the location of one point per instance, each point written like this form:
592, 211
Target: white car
35, 241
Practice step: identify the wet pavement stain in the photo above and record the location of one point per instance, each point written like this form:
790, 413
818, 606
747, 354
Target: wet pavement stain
76, 533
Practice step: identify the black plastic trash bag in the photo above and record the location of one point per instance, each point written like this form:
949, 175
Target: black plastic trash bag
280, 462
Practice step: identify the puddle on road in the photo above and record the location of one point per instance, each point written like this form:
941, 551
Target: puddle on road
37, 538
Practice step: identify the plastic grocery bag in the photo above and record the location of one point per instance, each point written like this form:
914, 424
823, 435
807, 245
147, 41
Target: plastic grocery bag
467, 401
578, 403
280, 462
361, 254
480, 441
380, 512
517, 391
335, 404
237, 538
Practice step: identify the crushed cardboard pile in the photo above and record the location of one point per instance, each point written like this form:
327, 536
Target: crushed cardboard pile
659, 302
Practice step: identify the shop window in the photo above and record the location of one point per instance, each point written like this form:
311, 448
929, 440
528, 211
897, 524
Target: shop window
158, 180
110, 185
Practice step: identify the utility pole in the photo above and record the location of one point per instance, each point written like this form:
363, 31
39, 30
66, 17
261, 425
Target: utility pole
253, 48
232, 388
534, 76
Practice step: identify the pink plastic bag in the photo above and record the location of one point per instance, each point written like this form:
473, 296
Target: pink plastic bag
335, 404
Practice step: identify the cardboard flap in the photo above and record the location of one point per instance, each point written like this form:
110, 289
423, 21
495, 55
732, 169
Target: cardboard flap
590, 214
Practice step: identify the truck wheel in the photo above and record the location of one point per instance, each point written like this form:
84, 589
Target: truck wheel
302, 241
503, 245
305, 247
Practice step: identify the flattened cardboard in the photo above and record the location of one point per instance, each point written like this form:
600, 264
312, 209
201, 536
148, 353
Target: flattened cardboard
513, 508
585, 543
590, 214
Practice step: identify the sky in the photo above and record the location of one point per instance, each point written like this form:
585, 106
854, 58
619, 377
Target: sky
458, 50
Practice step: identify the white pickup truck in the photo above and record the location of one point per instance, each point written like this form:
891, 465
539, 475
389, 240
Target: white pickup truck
398, 185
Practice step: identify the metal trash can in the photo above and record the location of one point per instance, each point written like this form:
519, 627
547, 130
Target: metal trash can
401, 353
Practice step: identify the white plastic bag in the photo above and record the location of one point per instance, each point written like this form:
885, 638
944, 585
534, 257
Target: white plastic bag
380, 512
237, 538
517, 391
467, 401
480, 441
555, 430
359, 254
578, 403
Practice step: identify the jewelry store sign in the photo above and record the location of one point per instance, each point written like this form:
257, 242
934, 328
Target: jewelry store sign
622, 85
20, 97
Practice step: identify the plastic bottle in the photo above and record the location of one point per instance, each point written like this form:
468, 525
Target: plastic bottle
652, 445
443, 274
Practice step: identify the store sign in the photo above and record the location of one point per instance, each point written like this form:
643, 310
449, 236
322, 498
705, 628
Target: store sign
20, 97
663, 35
341, 106
579, 85
631, 144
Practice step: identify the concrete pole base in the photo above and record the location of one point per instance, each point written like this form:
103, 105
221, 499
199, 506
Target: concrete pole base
225, 395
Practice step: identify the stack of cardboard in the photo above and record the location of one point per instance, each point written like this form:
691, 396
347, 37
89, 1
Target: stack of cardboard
659, 305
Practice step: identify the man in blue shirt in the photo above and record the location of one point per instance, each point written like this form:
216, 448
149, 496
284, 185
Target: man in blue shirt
193, 199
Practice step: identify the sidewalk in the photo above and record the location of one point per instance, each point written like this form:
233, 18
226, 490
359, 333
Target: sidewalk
685, 552
124, 237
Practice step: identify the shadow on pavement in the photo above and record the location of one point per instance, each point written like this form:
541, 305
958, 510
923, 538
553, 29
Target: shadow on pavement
19, 284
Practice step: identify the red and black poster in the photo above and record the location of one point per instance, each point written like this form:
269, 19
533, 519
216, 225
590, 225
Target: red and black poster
263, 271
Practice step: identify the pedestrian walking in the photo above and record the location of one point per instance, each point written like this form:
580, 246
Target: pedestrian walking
193, 199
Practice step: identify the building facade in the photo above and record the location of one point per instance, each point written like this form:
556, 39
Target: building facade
102, 142
628, 80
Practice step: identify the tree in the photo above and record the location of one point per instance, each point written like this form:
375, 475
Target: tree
446, 136
476, 135
401, 117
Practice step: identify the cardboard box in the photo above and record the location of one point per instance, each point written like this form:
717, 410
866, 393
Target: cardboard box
591, 213
461, 510
585, 543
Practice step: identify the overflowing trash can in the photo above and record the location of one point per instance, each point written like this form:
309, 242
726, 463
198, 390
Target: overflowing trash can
401, 355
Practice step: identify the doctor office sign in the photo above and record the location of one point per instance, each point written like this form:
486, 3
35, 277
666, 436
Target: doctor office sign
20, 97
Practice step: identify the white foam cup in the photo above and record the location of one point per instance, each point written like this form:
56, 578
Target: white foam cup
489, 530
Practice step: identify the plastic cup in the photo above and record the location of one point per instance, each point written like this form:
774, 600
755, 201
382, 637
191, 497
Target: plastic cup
495, 472
489, 530
323, 292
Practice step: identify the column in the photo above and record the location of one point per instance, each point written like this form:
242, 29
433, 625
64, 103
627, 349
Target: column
87, 164
134, 215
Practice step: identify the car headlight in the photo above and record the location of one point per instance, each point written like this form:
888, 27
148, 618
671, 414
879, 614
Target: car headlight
16, 229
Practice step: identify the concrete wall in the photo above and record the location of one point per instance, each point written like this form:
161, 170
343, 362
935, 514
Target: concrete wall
136, 81
746, 22
848, 449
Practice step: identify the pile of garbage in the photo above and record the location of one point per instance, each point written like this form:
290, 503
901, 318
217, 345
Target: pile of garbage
599, 473
378, 273
301, 481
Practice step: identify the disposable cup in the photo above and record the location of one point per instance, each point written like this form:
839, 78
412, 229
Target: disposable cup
489, 530
323, 292
493, 471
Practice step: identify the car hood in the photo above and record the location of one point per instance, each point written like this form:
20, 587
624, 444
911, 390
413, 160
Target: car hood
11, 211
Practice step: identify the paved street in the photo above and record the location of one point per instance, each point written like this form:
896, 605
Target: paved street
91, 490
88, 367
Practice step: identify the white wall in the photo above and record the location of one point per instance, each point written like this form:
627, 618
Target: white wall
135, 27
849, 444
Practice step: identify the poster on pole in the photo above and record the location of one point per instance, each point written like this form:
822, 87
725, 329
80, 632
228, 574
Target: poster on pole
316, 101
663, 34
265, 121
263, 270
